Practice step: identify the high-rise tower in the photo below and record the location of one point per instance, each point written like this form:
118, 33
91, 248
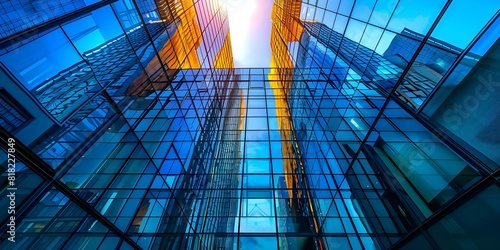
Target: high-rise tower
377, 123
124, 125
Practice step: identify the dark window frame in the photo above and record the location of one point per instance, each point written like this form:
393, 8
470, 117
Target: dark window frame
14, 104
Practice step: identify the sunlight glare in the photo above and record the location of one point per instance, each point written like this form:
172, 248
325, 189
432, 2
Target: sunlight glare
240, 14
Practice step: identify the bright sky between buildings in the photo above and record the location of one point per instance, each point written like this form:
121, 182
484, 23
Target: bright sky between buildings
250, 25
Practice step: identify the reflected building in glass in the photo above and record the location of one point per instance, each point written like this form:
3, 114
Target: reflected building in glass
373, 128
358, 108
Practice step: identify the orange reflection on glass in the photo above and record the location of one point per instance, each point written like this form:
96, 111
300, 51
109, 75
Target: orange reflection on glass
224, 58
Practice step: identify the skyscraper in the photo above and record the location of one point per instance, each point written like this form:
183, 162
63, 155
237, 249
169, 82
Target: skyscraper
125, 125
363, 131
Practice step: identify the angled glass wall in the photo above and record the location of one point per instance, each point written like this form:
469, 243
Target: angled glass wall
374, 127
362, 71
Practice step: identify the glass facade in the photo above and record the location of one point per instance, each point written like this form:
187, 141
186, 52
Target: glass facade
373, 128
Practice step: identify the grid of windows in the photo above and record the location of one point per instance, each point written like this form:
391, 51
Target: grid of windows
349, 107
19, 15
123, 47
162, 144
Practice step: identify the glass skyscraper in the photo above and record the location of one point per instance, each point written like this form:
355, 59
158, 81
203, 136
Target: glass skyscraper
125, 125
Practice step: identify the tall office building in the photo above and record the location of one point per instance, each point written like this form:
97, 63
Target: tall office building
130, 128
111, 101
389, 155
